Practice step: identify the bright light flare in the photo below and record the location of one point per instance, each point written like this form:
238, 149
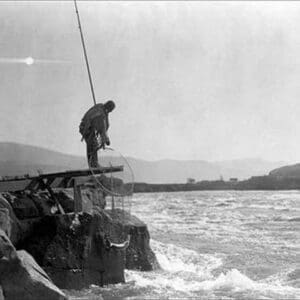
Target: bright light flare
29, 61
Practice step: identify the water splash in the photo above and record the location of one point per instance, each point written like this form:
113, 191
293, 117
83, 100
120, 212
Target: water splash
187, 273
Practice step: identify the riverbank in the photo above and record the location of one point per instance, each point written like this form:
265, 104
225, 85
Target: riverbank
254, 183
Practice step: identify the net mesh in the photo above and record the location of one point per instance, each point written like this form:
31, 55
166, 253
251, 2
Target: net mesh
117, 186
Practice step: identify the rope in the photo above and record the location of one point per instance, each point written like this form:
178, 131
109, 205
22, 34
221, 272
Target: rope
85, 54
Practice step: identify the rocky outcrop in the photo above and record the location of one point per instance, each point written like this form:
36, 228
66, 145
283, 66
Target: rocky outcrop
72, 250
75, 249
21, 277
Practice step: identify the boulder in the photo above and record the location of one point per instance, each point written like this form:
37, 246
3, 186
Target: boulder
65, 200
5, 223
1, 294
43, 202
21, 277
16, 229
23, 206
11, 225
92, 197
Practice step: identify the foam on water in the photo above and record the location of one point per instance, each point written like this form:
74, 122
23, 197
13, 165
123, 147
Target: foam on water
235, 280
177, 259
189, 273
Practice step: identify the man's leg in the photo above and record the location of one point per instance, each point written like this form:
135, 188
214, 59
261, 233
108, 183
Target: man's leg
91, 150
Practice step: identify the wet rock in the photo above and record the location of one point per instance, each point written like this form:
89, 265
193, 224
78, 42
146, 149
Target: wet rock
21, 277
139, 255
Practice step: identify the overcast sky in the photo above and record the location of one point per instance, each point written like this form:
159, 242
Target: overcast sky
191, 80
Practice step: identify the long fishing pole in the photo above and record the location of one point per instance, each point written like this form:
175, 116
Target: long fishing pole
85, 54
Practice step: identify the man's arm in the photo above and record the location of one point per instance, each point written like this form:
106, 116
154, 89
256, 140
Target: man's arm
100, 126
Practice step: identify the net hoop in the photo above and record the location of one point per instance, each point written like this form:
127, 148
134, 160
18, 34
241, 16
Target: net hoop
105, 189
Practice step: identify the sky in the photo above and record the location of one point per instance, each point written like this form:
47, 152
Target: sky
191, 80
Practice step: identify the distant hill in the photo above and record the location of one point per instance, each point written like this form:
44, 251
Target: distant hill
18, 159
291, 171
174, 171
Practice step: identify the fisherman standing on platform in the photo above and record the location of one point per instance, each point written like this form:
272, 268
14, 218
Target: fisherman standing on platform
94, 125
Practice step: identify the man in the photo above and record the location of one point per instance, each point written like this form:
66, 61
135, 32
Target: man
94, 124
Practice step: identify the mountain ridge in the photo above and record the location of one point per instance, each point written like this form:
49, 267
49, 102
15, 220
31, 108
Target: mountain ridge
18, 159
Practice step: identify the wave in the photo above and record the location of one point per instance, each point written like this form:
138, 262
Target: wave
235, 280
286, 219
296, 219
176, 259
186, 273
222, 204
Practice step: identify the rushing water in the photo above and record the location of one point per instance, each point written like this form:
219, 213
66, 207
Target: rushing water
216, 244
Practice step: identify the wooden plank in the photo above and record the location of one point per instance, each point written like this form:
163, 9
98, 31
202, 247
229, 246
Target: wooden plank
54, 180
83, 179
85, 172
33, 185
44, 184
70, 173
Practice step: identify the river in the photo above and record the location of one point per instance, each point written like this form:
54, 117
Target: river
216, 245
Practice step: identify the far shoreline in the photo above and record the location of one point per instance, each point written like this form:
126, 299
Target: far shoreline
257, 183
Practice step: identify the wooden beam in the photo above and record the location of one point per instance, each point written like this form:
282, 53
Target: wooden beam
85, 172
77, 197
44, 184
53, 180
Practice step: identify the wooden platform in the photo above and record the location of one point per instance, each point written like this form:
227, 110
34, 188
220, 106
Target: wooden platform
67, 179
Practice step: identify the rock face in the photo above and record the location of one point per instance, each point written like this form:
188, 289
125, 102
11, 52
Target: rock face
139, 255
71, 248
13, 228
21, 277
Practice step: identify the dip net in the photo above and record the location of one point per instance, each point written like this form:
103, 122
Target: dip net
116, 186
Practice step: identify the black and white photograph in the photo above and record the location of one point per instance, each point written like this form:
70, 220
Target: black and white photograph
149, 150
